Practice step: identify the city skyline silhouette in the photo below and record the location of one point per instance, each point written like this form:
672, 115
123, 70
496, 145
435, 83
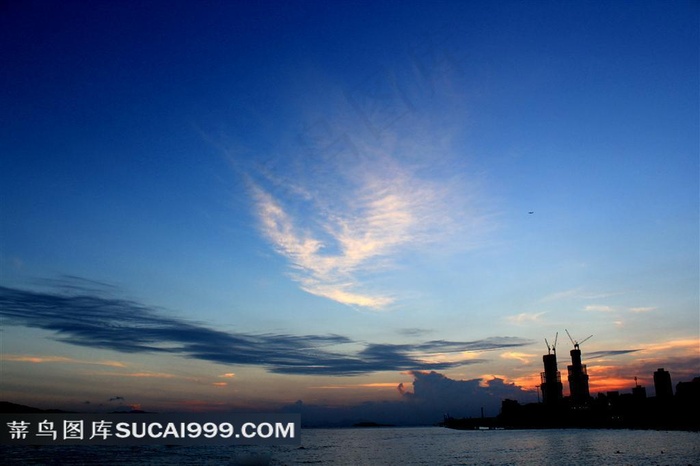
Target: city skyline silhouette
358, 210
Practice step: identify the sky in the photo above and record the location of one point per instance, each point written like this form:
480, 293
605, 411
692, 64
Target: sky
352, 209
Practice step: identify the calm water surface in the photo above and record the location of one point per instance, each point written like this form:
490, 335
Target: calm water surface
404, 446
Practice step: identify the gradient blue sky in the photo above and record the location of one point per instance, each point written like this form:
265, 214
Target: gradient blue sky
244, 204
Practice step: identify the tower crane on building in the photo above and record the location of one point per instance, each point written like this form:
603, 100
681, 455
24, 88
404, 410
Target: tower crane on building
578, 375
551, 386
576, 343
553, 348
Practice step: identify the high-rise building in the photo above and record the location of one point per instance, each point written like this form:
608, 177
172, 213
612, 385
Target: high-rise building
662, 384
551, 380
578, 378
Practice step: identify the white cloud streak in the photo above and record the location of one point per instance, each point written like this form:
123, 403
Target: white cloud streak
355, 238
638, 310
378, 177
336, 229
579, 294
599, 308
525, 317
58, 359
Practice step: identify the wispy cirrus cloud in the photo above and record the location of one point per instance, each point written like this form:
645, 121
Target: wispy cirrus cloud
336, 236
322, 273
91, 320
377, 176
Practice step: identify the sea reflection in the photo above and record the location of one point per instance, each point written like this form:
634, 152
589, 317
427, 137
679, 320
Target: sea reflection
419, 446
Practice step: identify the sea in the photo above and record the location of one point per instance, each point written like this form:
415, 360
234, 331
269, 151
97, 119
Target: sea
399, 446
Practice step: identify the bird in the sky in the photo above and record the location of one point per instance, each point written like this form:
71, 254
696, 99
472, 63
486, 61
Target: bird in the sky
531, 212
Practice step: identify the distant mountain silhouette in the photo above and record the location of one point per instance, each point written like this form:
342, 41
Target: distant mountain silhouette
13, 408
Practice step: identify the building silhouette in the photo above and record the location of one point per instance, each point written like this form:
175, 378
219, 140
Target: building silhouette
689, 391
662, 384
638, 392
610, 409
552, 389
578, 378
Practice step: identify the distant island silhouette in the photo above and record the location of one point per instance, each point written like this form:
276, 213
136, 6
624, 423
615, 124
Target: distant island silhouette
7, 407
371, 424
13, 408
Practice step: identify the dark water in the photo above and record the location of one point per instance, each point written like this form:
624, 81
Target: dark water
403, 446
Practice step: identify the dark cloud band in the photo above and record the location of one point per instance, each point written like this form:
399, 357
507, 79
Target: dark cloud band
83, 316
603, 354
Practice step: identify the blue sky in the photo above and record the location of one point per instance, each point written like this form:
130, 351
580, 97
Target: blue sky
245, 205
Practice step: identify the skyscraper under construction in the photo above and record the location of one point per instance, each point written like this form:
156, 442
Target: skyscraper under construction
578, 376
551, 386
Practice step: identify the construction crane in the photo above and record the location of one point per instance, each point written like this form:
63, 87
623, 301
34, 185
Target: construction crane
576, 343
554, 346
